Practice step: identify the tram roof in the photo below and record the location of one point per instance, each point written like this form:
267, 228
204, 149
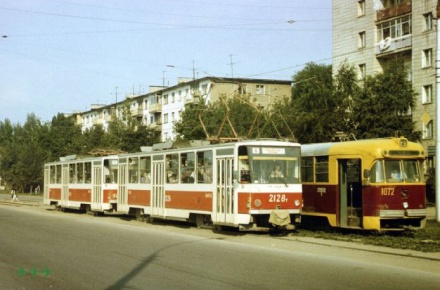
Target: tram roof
166, 147
368, 146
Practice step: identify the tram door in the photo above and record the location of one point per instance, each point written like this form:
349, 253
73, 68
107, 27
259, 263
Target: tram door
158, 190
97, 187
350, 193
224, 207
65, 185
122, 187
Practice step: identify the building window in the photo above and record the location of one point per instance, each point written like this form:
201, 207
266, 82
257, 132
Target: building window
427, 21
427, 130
394, 28
165, 99
165, 118
362, 71
260, 90
361, 8
362, 43
427, 58
427, 94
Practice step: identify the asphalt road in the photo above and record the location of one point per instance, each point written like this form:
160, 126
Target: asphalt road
45, 249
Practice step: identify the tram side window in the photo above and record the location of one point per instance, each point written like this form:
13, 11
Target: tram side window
321, 168
172, 168
187, 171
72, 173
307, 169
133, 170
80, 173
204, 167
111, 170
55, 177
88, 172
58, 174
376, 172
145, 169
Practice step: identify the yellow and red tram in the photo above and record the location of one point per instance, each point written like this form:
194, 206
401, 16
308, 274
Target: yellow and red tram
374, 184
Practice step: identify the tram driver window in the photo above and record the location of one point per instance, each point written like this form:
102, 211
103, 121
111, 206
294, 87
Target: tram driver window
393, 171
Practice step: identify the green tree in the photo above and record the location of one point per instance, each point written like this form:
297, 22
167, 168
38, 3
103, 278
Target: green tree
384, 104
319, 112
228, 117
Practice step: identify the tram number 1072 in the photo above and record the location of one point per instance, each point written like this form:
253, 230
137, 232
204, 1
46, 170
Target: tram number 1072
277, 198
387, 191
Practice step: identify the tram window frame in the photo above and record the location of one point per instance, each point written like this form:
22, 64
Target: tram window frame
321, 168
145, 169
172, 168
111, 165
133, 170
307, 172
204, 166
80, 173
88, 172
72, 173
187, 166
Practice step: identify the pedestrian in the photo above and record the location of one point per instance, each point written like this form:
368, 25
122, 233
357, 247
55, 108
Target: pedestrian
14, 196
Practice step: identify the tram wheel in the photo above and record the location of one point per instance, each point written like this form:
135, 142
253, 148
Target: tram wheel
200, 221
218, 228
149, 219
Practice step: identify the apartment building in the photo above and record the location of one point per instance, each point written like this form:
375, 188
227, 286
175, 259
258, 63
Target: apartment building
369, 33
162, 106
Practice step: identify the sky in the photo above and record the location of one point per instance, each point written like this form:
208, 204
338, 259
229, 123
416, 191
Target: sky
62, 56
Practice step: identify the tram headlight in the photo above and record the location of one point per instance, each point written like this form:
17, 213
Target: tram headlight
297, 202
257, 203
405, 205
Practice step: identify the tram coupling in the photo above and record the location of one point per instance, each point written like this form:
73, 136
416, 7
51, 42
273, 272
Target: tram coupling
280, 219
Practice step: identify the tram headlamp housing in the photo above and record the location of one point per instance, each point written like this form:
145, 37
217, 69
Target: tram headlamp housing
257, 203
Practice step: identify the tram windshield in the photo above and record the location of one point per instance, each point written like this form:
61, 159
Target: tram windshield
393, 171
276, 165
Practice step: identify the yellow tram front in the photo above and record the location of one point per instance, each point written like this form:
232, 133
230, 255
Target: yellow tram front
374, 184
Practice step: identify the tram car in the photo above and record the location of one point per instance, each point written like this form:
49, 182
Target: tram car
88, 184
249, 185
374, 184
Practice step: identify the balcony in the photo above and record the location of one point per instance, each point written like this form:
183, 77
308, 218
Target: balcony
390, 45
137, 112
155, 108
156, 126
394, 11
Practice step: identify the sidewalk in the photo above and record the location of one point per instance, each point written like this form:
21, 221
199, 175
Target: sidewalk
26, 198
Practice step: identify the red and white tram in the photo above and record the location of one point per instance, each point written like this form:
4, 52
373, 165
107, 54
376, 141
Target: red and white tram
230, 184
88, 184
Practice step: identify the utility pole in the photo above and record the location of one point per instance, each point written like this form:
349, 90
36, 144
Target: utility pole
437, 122
232, 66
